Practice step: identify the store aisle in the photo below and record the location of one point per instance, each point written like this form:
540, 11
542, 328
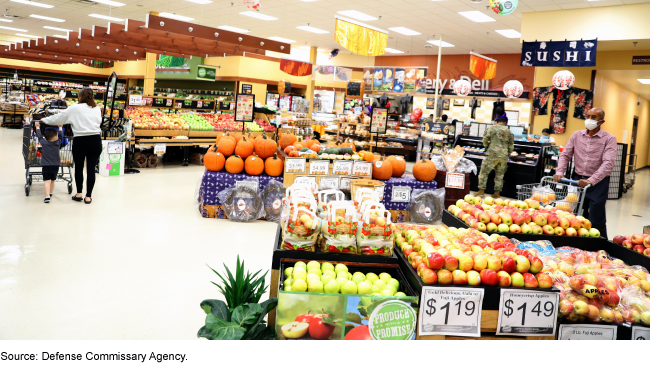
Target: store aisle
132, 265
629, 214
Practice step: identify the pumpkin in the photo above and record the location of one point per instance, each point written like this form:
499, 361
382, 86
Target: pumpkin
294, 154
287, 140
289, 149
226, 145
315, 147
254, 165
273, 166
425, 170
265, 147
299, 145
238, 137
244, 148
349, 144
382, 169
368, 156
309, 142
234, 164
312, 155
219, 137
399, 165
213, 160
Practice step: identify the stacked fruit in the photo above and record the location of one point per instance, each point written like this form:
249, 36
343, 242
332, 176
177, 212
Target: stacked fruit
197, 122
640, 243
266, 126
142, 119
327, 278
167, 121
222, 122
467, 256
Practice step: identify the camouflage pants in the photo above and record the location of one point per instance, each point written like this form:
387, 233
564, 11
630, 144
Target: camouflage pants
500, 165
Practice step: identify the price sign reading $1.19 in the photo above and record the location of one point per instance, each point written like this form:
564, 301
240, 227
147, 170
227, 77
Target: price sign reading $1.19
451, 311
527, 313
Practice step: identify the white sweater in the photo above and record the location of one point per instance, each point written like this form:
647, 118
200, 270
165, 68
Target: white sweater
85, 120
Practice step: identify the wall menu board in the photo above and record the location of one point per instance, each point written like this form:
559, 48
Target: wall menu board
247, 89
244, 107
355, 89
378, 120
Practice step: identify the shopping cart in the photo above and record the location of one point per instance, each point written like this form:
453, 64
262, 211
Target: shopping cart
32, 155
565, 195
630, 177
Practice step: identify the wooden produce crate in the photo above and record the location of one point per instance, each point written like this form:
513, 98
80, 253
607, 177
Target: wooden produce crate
159, 133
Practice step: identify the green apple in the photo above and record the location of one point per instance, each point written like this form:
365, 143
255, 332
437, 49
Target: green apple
288, 282
314, 270
386, 292
287, 288
364, 287
400, 294
380, 283
313, 265
372, 277
299, 285
358, 277
384, 276
342, 274
375, 293
332, 287
300, 264
341, 281
376, 288
299, 275
327, 266
327, 279
288, 271
349, 276
341, 267
349, 288
299, 270
315, 286
393, 283
368, 281
311, 277
328, 271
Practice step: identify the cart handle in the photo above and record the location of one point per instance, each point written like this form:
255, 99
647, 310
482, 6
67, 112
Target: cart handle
572, 182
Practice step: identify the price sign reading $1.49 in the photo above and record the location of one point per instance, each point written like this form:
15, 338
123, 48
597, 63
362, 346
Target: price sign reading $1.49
451, 311
527, 313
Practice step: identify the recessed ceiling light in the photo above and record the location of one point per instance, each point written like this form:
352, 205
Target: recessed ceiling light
233, 29
280, 39
106, 17
60, 36
55, 28
390, 50
357, 15
109, 2
47, 18
177, 17
644, 81
509, 33
33, 3
444, 44
257, 15
476, 16
312, 29
404, 31
202, 2
27, 35
14, 29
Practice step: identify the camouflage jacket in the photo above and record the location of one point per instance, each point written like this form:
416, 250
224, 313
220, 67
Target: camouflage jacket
498, 141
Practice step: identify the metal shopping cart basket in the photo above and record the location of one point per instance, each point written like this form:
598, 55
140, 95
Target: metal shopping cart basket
565, 195
32, 155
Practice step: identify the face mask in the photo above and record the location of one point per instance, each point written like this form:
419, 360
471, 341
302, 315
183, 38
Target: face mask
591, 124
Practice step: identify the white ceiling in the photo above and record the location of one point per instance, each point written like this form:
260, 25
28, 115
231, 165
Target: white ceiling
425, 16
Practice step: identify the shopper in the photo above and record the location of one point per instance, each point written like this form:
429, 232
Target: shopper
499, 142
444, 118
85, 119
50, 141
594, 154
547, 133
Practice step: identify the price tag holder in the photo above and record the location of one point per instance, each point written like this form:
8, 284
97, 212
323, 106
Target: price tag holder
319, 168
329, 183
135, 100
401, 194
342, 168
547, 170
451, 311
362, 169
554, 158
295, 165
455, 181
345, 183
159, 148
251, 184
640, 333
380, 191
586, 332
527, 313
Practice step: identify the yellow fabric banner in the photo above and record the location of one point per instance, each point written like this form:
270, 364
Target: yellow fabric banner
359, 39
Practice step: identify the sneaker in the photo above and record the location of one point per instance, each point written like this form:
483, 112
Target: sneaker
46, 200
496, 194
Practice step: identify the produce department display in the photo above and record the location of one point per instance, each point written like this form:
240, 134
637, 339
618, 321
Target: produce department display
151, 119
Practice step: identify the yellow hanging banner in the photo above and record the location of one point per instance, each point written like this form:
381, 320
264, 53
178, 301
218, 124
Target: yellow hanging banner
360, 38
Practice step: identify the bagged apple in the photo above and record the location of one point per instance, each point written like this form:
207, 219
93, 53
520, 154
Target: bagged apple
363, 194
301, 230
375, 236
298, 202
340, 229
369, 204
309, 182
325, 197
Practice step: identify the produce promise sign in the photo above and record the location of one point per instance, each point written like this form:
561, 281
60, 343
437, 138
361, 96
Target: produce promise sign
206, 73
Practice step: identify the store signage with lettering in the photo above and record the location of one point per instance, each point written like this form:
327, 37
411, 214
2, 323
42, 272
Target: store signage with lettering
641, 60
580, 53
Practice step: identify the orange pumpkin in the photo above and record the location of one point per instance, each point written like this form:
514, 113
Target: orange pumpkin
294, 154
234, 164
254, 165
224, 135
315, 147
309, 142
382, 169
287, 140
399, 165
273, 166
298, 145
226, 145
244, 148
238, 137
265, 147
213, 160
289, 149
425, 170
368, 156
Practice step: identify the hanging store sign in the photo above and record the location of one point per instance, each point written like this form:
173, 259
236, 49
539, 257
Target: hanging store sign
208, 73
360, 38
580, 53
503, 7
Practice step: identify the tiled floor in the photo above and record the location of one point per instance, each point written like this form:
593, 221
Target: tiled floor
132, 265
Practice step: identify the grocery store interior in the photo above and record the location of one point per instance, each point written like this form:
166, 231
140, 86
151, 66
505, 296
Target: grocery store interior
311, 133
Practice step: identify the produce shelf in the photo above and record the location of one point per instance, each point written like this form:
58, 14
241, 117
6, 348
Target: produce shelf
159, 133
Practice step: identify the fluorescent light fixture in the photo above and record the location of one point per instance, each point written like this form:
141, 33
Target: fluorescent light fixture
233, 29
47, 18
34, 3
280, 39
404, 31
60, 36
257, 15
14, 29
106, 17
109, 2
27, 35
307, 1
509, 33
202, 2
390, 50
444, 44
177, 17
476, 16
312, 29
6, 20
357, 15
55, 28
305, 48
644, 81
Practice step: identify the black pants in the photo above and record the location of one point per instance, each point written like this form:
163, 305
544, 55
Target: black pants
594, 205
86, 149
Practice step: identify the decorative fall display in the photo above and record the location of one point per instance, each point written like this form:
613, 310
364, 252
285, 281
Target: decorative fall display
425, 170
298, 145
287, 140
234, 164
316, 147
382, 169
265, 147
213, 161
399, 165
288, 149
226, 145
482, 67
294, 153
254, 165
244, 148
223, 135
273, 166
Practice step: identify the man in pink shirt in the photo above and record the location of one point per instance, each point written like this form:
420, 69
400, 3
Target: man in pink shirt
594, 153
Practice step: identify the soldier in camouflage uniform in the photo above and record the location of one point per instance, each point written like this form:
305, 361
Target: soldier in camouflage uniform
499, 143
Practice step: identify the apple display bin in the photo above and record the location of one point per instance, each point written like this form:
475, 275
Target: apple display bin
630, 257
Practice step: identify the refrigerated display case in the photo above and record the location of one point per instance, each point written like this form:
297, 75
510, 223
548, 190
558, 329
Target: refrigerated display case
272, 99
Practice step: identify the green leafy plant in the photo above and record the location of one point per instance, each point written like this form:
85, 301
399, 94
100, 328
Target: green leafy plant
240, 289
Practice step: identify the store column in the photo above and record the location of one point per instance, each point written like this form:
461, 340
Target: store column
311, 84
150, 70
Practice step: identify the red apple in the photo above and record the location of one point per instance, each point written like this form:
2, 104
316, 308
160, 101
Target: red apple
618, 239
530, 281
536, 265
565, 307
504, 278
459, 277
627, 244
451, 263
435, 261
637, 239
421, 267
489, 277
639, 249
429, 277
577, 283
508, 264
444, 277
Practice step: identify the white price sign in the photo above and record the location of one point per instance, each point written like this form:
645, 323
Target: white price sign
586, 332
160, 148
451, 311
251, 184
362, 169
135, 100
527, 313
329, 183
640, 333
342, 168
319, 168
295, 165
345, 184
401, 194
380, 191
455, 181
554, 158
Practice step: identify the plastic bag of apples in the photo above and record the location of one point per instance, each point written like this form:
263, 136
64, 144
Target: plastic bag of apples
340, 228
375, 235
301, 230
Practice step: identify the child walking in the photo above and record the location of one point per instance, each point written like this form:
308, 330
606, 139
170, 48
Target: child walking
50, 141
